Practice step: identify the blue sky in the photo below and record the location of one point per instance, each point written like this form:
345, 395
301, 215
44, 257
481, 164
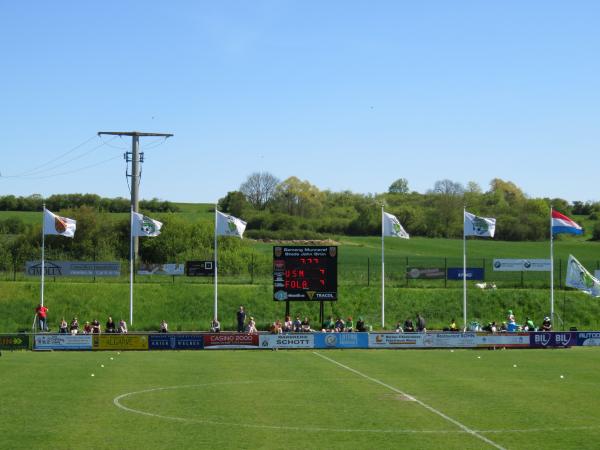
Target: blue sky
349, 95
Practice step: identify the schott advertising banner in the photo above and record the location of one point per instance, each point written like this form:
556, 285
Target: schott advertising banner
73, 268
287, 340
521, 265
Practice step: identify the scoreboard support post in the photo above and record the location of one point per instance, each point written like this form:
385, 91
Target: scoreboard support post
287, 308
321, 313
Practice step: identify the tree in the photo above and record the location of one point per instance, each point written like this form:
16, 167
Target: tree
400, 186
234, 203
259, 188
299, 198
448, 200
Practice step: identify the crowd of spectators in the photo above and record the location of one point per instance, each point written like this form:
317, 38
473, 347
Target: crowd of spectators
93, 327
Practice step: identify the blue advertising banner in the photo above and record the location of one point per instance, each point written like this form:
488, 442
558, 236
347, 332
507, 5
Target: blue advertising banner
473, 273
588, 338
166, 341
553, 339
341, 340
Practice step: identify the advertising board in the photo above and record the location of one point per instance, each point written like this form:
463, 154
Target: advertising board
521, 265
120, 342
341, 340
73, 268
287, 340
230, 340
199, 268
450, 340
396, 340
172, 341
508, 340
588, 338
63, 342
431, 273
14, 342
473, 273
554, 339
161, 269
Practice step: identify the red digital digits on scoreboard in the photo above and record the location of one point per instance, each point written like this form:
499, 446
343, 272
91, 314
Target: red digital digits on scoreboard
304, 273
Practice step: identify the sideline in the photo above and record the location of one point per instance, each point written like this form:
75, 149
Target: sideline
423, 404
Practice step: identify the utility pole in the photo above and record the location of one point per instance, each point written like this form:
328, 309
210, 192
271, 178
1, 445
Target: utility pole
136, 158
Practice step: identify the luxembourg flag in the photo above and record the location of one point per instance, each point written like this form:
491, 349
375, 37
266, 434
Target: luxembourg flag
562, 224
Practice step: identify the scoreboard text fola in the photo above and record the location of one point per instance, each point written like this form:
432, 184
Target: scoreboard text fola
304, 273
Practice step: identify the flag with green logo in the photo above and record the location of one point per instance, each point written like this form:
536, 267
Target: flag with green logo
579, 278
479, 226
392, 227
144, 226
229, 225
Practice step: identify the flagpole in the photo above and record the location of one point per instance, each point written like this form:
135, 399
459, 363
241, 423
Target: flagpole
464, 273
216, 265
382, 274
131, 266
43, 253
551, 270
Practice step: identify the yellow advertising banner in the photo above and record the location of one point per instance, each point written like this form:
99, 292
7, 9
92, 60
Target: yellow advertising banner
120, 342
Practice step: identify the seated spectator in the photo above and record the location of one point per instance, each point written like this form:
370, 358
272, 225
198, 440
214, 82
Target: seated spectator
529, 325
503, 327
87, 328
420, 324
276, 327
96, 329
408, 325
122, 326
546, 324
360, 325
490, 327
511, 317
349, 325
339, 325
287, 325
215, 326
399, 328
305, 325
164, 327
111, 326
453, 326
62, 328
251, 327
74, 327
328, 325
297, 324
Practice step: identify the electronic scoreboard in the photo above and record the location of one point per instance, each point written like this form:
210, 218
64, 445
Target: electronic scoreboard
307, 273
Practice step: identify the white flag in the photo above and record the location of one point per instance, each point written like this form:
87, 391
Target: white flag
145, 226
229, 225
479, 226
579, 278
392, 226
54, 224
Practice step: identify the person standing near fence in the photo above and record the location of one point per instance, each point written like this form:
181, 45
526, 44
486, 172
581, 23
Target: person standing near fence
241, 319
42, 316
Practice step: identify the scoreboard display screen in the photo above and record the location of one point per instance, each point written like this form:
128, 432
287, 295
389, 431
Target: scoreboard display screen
304, 273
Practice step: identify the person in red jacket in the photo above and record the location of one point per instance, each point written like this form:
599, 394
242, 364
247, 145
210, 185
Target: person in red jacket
42, 315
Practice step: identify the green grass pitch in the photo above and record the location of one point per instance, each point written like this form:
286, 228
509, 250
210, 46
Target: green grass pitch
451, 399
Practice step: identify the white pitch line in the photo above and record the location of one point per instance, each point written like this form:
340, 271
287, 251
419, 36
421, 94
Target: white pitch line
465, 428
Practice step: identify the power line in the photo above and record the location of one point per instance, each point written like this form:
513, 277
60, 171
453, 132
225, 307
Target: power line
80, 169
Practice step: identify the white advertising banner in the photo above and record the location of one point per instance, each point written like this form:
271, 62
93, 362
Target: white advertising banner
503, 340
162, 269
63, 342
292, 340
450, 340
396, 340
521, 265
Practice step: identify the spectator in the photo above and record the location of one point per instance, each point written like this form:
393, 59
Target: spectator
360, 325
408, 325
96, 329
42, 315
241, 319
503, 327
276, 328
349, 324
110, 325
164, 327
453, 326
421, 324
490, 327
87, 328
251, 328
305, 325
328, 325
399, 328
546, 324
62, 328
529, 325
215, 326
339, 325
287, 325
511, 317
74, 327
297, 324
122, 326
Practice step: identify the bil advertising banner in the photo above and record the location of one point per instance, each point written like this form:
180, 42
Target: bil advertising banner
230, 340
396, 340
588, 338
14, 342
168, 341
508, 340
120, 342
341, 340
287, 340
552, 339
63, 342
